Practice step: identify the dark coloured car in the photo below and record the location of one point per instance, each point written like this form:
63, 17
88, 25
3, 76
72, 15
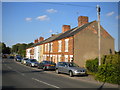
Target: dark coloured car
32, 62
11, 57
47, 65
18, 59
70, 68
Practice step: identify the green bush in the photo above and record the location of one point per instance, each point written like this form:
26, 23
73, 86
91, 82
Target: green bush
92, 65
109, 71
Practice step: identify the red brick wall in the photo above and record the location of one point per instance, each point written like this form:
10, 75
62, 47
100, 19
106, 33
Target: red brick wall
62, 53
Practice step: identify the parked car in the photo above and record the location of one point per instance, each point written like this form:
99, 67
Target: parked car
70, 68
47, 65
32, 62
23, 61
18, 59
11, 57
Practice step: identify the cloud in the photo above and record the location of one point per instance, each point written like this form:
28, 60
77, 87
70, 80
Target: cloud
28, 19
110, 13
43, 18
51, 10
51, 31
118, 17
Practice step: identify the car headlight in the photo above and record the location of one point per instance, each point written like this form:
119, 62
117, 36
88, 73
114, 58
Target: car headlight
33, 64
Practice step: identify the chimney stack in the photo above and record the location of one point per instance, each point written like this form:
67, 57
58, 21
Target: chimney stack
53, 35
65, 28
41, 39
82, 20
36, 41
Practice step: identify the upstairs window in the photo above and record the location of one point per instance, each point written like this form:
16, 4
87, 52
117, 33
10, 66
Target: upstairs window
51, 47
48, 47
59, 46
45, 47
66, 45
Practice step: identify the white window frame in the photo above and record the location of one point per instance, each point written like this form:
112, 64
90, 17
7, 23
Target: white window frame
48, 46
66, 45
71, 58
59, 58
51, 47
66, 58
50, 57
59, 46
45, 47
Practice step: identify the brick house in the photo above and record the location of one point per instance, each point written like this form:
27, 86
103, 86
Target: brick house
78, 44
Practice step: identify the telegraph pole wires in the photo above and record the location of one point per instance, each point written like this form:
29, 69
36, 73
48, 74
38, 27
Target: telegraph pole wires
99, 36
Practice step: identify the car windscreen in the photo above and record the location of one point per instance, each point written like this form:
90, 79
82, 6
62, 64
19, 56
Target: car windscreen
33, 60
48, 62
73, 65
26, 59
19, 58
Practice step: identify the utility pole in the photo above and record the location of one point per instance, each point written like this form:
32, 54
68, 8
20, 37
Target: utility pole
99, 36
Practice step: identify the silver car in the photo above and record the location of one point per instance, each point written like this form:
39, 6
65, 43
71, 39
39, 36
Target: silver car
32, 62
70, 68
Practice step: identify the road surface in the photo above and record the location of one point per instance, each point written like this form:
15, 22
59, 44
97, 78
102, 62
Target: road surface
16, 75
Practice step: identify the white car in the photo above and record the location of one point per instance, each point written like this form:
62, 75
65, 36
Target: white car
24, 60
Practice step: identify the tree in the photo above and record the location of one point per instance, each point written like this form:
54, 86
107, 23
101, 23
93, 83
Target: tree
5, 50
29, 44
21, 48
15, 49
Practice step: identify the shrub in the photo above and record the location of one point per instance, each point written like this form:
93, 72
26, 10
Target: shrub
92, 65
108, 73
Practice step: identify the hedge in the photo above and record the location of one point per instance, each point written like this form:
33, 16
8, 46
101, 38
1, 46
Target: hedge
109, 71
92, 65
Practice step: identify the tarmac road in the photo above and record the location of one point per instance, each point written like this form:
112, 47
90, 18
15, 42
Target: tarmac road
16, 75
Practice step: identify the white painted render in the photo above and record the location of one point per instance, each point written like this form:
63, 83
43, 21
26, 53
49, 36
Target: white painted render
37, 52
28, 53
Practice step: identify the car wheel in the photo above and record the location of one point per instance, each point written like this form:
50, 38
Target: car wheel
44, 68
38, 67
57, 71
71, 74
30, 65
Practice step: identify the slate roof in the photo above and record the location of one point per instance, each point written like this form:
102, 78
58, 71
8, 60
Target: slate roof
47, 40
66, 34
59, 36
73, 31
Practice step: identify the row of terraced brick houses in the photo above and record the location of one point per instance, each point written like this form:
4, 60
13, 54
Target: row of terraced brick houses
78, 44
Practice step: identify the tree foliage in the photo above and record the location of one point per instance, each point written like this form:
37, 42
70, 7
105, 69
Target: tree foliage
4, 49
20, 48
